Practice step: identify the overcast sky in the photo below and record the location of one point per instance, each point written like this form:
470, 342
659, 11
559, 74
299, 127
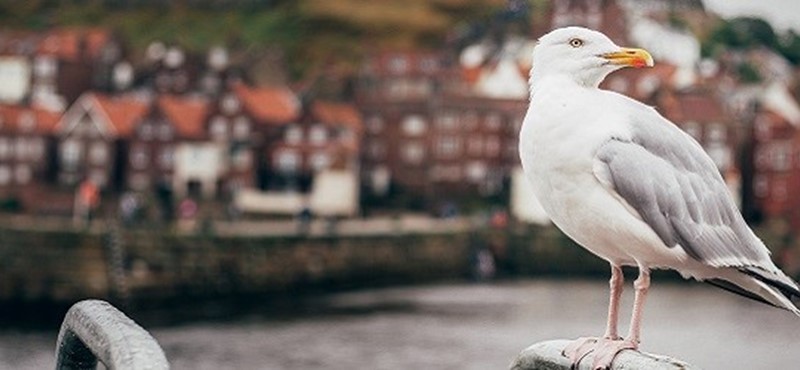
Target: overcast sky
782, 14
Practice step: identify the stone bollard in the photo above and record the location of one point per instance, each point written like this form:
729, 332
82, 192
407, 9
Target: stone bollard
548, 356
94, 330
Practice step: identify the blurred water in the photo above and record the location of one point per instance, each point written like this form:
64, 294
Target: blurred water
464, 327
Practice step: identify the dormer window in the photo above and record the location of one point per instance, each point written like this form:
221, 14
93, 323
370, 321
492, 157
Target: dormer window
164, 132
229, 104
146, 132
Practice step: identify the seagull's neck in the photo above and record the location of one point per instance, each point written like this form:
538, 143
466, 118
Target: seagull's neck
541, 83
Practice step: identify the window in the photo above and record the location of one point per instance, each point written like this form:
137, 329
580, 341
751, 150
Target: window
294, 134
761, 186
21, 148
229, 104
139, 157
320, 161
470, 120
318, 135
376, 150
219, 128
414, 125
720, 155
45, 66
5, 148
98, 153
398, 64
375, 124
716, 133
428, 64
167, 157
446, 121
475, 145
476, 171
146, 131
448, 146
493, 146
241, 128
493, 122
5, 175
242, 159
23, 174
780, 191
70, 153
37, 148
693, 129
781, 157
164, 132
287, 161
413, 153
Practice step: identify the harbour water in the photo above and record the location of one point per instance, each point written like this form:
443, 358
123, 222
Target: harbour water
460, 326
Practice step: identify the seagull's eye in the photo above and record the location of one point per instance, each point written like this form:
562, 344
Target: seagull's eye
575, 43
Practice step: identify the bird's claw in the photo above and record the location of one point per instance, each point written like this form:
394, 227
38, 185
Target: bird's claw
603, 351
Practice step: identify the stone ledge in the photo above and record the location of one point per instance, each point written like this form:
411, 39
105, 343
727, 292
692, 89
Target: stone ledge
547, 356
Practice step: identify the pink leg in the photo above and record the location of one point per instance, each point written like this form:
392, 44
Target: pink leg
615, 286
581, 347
642, 285
606, 351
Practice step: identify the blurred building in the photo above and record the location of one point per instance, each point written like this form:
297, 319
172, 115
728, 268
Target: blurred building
53, 68
26, 148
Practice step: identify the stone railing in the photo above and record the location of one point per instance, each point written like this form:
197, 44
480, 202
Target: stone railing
548, 356
95, 331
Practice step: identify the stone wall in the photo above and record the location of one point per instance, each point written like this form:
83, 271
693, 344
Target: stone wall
65, 266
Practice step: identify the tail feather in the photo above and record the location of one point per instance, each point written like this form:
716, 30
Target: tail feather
765, 287
774, 279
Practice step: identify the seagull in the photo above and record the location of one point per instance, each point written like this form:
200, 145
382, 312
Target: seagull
631, 187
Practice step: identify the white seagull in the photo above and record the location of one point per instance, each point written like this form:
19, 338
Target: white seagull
628, 185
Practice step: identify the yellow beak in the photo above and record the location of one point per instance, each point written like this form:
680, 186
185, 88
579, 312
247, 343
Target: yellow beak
630, 57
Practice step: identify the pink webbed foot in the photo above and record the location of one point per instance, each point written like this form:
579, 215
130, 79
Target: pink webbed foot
607, 350
603, 351
580, 348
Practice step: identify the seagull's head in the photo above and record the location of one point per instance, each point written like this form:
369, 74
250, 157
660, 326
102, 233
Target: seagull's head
584, 55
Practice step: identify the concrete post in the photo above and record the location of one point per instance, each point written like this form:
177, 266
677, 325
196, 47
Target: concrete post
95, 331
548, 356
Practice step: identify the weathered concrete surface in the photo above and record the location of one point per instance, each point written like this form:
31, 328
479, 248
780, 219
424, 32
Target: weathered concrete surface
548, 356
94, 330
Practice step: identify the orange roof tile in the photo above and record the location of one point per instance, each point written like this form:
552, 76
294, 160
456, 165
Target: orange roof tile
331, 113
122, 112
12, 114
66, 43
186, 114
271, 105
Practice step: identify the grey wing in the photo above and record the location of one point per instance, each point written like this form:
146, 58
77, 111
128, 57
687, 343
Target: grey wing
665, 176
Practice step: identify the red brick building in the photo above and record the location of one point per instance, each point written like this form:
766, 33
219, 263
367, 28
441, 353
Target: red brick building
90, 136
776, 163
26, 145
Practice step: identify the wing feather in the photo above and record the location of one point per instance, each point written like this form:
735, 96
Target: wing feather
665, 175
